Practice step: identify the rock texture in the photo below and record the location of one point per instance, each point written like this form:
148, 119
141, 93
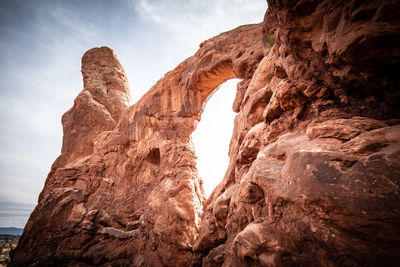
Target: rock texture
315, 155
314, 169
125, 189
99, 106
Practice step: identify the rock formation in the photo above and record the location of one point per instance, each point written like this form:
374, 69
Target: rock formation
314, 169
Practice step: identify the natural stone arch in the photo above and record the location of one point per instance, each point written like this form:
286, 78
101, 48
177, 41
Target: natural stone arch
133, 181
310, 166
165, 118
183, 91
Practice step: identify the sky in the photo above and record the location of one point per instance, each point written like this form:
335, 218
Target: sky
41, 45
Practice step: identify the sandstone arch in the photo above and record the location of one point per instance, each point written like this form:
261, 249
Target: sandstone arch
314, 172
132, 179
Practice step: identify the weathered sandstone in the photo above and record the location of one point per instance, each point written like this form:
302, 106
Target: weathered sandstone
314, 169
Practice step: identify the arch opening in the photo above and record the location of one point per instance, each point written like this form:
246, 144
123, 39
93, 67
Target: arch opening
213, 134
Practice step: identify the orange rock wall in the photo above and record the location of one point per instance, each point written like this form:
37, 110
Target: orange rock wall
314, 168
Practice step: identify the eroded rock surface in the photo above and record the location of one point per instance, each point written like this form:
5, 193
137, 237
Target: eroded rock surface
314, 173
125, 189
314, 169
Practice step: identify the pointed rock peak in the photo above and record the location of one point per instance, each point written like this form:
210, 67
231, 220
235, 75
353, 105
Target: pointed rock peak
106, 80
102, 102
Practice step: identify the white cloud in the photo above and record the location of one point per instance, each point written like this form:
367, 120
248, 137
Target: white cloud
193, 21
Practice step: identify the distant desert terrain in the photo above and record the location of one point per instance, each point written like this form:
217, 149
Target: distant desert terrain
7, 243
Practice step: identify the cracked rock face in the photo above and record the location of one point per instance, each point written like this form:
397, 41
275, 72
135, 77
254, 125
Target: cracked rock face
314, 169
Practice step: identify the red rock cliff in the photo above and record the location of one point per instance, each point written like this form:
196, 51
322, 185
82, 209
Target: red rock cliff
314, 173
